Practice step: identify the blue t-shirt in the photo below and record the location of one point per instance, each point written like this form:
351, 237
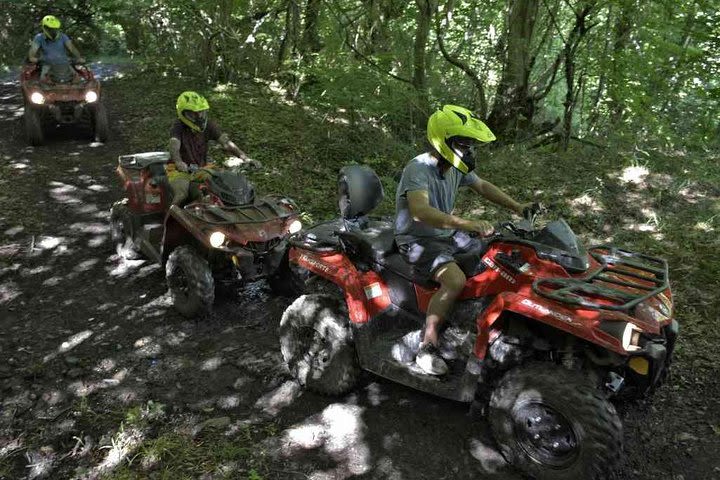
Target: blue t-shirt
53, 51
422, 173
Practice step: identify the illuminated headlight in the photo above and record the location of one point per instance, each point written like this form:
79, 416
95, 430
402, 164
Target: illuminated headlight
295, 226
91, 96
217, 239
37, 98
631, 338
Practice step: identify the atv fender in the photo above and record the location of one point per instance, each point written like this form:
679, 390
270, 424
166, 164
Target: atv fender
177, 229
366, 294
579, 323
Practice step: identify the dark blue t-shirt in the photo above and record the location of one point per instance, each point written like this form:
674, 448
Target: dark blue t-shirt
53, 51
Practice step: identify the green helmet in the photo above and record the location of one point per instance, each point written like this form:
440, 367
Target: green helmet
50, 26
453, 122
192, 110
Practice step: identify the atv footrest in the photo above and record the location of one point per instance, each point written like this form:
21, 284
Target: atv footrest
640, 276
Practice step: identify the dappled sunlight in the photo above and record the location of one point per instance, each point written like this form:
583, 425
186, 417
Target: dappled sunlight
339, 432
585, 204
635, 174
9, 291
273, 402
490, 459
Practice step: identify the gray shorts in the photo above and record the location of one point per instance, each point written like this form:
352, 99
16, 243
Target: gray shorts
426, 255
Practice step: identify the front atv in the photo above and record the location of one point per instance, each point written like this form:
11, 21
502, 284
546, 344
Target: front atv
227, 237
71, 97
543, 336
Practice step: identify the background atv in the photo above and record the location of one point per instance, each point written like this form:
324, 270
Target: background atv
544, 332
71, 96
229, 235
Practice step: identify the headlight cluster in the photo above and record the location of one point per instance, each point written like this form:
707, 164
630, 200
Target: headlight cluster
91, 96
295, 226
37, 98
631, 337
217, 239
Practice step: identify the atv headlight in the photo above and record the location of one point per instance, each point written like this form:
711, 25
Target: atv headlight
37, 98
295, 226
631, 337
91, 96
217, 239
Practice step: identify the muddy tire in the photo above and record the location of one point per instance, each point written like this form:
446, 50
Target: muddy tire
553, 423
190, 281
101, 127
317, 346
33, 126
122, 231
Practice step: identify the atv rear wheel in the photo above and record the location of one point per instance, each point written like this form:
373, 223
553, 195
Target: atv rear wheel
190, 282
101, 127
33, 126
317, 346
122, 231
552, 423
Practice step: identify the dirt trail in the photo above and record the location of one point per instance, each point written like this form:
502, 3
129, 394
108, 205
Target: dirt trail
81, 327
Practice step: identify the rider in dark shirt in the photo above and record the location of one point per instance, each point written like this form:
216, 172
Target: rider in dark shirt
189, 142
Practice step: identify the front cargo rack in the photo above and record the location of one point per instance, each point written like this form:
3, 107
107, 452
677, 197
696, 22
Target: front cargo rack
642, 277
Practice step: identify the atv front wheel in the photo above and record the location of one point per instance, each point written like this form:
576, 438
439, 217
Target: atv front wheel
33, 126
122, 231
101, 127
552, 423
317, 346
190, 282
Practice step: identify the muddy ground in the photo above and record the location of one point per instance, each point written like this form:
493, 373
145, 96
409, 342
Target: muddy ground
86, 339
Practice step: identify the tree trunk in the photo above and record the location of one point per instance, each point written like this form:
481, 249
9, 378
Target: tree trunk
514, 108
622, 35
422, 32
289, 42
311, 41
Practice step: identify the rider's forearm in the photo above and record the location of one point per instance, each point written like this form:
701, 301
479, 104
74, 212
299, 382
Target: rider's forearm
495, 195
73, 50
438, 219
174, 148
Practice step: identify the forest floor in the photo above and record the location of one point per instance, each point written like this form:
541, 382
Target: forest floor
101, 378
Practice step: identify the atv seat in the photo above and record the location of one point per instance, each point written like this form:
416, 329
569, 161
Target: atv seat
370, 242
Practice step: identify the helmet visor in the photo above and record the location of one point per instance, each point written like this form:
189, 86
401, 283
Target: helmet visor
199, 119
464, 148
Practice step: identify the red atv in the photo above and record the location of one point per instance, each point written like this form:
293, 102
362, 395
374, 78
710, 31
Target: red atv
70, 96
227, 236
543, 335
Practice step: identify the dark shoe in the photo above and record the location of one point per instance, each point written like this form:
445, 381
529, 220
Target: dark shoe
429, 360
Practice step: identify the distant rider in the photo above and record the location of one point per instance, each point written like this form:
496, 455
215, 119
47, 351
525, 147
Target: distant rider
189, 139
428, 235
52, 47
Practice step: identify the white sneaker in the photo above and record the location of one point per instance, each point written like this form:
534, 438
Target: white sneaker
429, 360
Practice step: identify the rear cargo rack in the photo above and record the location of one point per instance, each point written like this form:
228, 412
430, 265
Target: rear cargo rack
642, 277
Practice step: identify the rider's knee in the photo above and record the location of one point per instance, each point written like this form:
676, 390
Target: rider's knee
452, 278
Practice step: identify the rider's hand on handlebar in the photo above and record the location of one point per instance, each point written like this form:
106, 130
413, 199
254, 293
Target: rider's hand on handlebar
247, 161
530, 210
481, 227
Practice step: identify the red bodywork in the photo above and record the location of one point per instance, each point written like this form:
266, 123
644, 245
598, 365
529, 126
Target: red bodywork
144, 194
58, 92
367, 296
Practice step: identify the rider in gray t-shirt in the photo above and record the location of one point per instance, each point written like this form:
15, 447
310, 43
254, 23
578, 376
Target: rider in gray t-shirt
427, 233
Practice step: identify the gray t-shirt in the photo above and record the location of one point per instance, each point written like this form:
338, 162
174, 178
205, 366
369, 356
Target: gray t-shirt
422, 173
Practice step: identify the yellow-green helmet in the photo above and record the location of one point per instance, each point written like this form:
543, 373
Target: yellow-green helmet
50, 26
451, 122
192, 109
